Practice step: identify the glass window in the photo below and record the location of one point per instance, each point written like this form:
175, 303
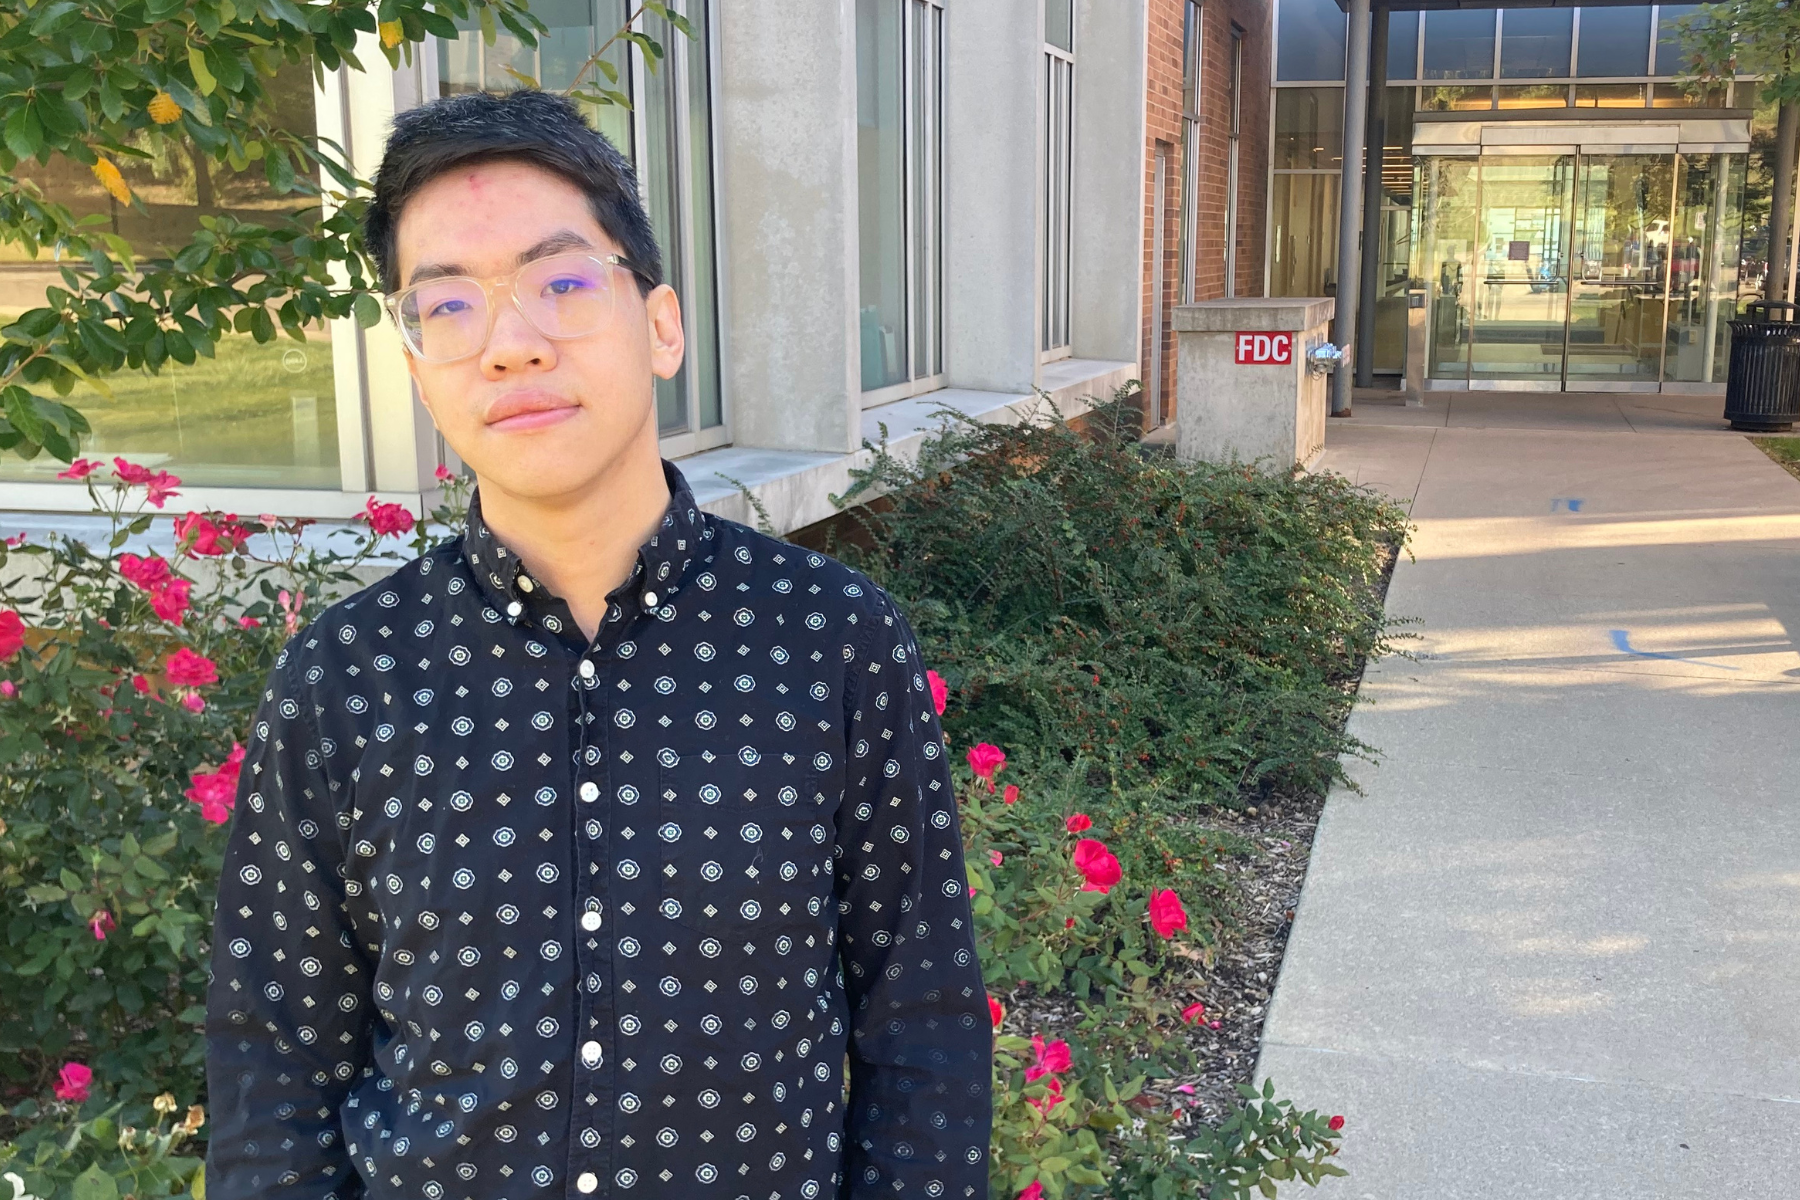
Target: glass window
1535, 43
1059, 144
1059, 24
1609, 95
1191, 32
1309, 40
899, 122
1459, 44
1309, 128
1303, 229
1613, 41
1455, 99
248, 415
1533, 95
1668, 41
1674, 95
1403, 45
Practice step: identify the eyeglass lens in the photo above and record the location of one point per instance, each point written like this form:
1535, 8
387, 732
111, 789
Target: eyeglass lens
563, 296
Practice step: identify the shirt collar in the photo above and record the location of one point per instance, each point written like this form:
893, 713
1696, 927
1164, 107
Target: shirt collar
661, 563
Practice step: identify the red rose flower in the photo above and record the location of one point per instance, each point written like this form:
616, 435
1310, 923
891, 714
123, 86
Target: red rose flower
1193, 1012
1335, 1124
1034, 1192
1097, 865
386, 519
147, 573
187, 669
1166, 913
1048, 1058
986, 759
1011, 794
12, 633
940, 691
1078, 822
170, 600
996, 1010
72, 1082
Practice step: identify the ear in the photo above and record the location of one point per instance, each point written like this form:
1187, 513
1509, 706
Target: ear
668, 344
412, 368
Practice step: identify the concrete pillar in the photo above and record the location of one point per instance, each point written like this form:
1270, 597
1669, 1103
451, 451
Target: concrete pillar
1107, 290
787, 181
1349, 265
1370, 290
993, 178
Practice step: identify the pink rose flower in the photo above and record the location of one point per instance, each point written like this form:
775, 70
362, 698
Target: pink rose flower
996, 1010
147, 573
249, 623
130, 472
194, 702
995, 857
1078, 822
170, 600
1047, 1058
72, 1082
8, 688
1011, 794
1193, 1012
986, 759
1034, 1192
81, 468
102, 922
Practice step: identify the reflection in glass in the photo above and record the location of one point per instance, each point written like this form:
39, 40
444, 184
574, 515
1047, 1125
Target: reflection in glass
1703, 266
1459, 44
1303, 246
1619, 268
1309, 128
1403, 45
1445, 218
1310, 42
1668, 37
1609, 95
1535, 43
880, 166
1613, 41
1059, 23
1674, 95
1456, 99
1533, 95
251, 415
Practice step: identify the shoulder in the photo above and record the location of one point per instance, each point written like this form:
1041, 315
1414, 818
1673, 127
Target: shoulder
830, 594
339, 639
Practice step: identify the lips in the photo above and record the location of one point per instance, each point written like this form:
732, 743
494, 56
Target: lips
529, 410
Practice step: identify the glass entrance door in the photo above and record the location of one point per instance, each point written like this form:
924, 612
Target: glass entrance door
1522, 276
1619, 296
1577, 270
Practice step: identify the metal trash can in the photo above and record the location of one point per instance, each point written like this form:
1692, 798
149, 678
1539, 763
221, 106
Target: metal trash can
1762, 387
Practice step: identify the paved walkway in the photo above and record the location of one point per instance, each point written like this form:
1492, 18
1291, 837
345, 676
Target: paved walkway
1553, 949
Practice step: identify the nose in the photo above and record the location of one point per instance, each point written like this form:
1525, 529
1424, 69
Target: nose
513, 344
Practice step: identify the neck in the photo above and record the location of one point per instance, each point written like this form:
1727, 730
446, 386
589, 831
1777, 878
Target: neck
583, 546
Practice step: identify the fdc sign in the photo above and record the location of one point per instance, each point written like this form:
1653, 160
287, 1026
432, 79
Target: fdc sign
1271, 349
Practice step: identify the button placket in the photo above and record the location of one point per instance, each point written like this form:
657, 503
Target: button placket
593, 949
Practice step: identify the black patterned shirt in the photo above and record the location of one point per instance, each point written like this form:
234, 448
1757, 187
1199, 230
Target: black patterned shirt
680, 912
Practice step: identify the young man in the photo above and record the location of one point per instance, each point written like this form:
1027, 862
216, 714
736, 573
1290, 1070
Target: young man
583, 855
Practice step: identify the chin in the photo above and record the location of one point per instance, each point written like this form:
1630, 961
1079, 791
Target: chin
542, 467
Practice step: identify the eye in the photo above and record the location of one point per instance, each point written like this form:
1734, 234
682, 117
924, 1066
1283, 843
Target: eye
447, 308
567, 285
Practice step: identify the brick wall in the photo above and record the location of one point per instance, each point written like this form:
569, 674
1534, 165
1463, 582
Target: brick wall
1163, 134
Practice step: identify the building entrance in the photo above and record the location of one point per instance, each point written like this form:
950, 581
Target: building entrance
1604, 267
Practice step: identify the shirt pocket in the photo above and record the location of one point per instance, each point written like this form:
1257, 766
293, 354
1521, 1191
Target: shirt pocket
742, 845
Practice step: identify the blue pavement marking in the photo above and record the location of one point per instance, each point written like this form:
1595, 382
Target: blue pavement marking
1566, 504
1621, 640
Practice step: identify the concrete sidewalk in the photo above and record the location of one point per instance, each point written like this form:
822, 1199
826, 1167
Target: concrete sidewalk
1553, 949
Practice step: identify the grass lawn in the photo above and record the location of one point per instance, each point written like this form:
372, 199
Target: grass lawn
1784, 450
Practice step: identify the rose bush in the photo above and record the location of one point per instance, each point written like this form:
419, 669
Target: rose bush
127, 680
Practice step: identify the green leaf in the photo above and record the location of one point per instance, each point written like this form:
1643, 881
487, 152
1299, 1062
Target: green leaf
203, 77
23, 135
149, 868
94, 1184
367, 310
70, 880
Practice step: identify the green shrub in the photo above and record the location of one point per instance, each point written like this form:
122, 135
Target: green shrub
1187, 627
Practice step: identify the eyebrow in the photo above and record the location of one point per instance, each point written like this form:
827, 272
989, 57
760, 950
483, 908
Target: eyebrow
556, 243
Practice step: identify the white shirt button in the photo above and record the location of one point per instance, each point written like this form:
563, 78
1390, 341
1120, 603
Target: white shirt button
586, 669
525, 584
649, 599
514, 609
590, 1053
586, 1182
590, 921
590, 791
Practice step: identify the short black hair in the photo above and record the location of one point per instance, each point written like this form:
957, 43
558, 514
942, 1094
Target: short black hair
525, 125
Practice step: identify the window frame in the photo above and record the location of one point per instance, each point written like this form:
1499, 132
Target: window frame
1056, 294
1193, 58
926, 227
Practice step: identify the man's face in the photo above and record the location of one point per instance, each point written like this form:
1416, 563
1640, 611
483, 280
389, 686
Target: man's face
541, 418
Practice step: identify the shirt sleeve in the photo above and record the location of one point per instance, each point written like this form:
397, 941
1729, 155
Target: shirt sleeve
920, 1111
288, 1006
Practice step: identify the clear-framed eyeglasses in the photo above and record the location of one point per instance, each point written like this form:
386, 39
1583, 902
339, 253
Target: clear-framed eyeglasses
561, 296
